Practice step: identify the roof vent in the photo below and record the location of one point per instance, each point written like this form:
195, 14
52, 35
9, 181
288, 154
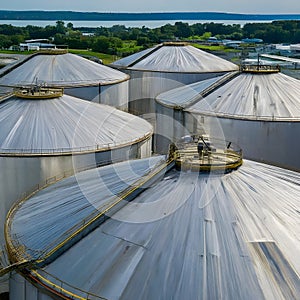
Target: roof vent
260, 69
176, 44
199, 153
38, 92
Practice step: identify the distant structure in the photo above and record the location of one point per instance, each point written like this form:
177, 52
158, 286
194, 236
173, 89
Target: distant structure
46, 136
257, 108
78, 76
188, 236
37, 44
295, 47
252, 41
164, 67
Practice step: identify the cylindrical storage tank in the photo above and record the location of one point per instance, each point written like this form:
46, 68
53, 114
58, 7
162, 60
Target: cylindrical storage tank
164, 67
43, 140
259, 111
96, 190
187, 236
79, 76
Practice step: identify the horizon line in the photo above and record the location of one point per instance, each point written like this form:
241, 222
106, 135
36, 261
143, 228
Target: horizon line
154, 12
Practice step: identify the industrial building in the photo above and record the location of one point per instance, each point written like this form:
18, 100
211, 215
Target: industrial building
78, 76
257, 108
164, 67
184, 235
36, 44
43, 140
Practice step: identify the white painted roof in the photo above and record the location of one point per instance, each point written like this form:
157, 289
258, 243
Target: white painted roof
176, 58
270, 96
189, 236
62, 70
65, 124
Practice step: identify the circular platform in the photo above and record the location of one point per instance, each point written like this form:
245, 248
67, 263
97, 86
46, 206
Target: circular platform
38, 92
200, 155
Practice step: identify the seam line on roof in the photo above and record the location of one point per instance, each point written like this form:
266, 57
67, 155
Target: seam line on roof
123, 239
145, 55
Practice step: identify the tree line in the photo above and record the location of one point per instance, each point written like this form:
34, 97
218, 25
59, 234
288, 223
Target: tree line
111, 39
142, 16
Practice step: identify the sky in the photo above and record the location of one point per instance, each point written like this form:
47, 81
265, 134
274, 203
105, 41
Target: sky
233, 6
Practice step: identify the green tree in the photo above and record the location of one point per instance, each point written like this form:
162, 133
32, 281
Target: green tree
198, 29
143, 41
119, 31
70, 26
183, 30
168, 30
101, 44
49, 31
60, 27
205, 35
5, 41
102, 31
134, 33
16, 39
60, 39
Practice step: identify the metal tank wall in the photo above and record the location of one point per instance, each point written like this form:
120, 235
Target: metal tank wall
115, 95
172, 124
23, 290
169, 127
170, 115
145, 148
144, 86
273, 142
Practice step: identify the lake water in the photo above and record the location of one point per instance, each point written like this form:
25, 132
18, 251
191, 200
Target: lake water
149, 24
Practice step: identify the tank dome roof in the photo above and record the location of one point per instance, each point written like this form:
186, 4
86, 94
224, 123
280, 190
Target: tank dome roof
175, 57
66, 70
65, 125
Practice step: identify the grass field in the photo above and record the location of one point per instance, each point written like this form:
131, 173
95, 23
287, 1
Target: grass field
106, 58
214, 48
